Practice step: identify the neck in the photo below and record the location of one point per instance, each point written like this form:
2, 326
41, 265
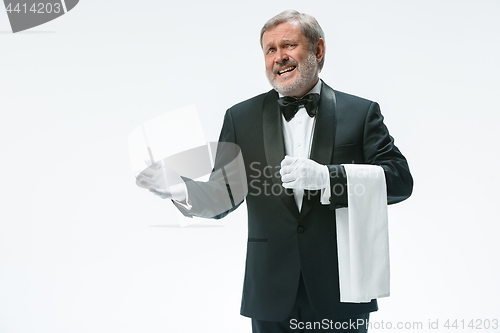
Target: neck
303, 92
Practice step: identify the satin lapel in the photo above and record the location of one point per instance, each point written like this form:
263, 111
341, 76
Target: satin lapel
274, 146
324, 136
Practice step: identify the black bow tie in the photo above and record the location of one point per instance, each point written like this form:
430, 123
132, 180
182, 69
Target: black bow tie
290, 105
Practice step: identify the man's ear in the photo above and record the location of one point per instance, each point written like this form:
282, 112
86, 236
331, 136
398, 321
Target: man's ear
319, 49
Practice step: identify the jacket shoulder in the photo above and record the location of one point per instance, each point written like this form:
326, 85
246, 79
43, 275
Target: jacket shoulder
249, 105
343, 97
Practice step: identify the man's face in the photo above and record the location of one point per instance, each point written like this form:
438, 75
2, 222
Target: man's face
291, 68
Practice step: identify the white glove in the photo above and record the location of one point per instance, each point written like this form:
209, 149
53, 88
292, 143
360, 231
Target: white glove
176, 192
303, 174
163, 182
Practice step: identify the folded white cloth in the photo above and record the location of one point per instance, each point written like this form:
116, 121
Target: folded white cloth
363, 237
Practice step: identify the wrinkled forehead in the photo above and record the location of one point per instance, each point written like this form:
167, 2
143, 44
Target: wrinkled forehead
284, 32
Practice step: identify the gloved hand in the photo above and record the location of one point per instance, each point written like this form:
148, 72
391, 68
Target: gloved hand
162, 181
304, 174
175, 192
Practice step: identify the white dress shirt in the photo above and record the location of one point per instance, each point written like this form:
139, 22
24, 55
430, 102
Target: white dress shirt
298, 134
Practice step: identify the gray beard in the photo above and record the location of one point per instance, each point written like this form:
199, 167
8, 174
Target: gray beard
306, 74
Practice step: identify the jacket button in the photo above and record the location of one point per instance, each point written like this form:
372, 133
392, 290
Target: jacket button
300, 229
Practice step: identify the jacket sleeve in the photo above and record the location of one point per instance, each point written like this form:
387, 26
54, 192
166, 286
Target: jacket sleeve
226, 188
378, 149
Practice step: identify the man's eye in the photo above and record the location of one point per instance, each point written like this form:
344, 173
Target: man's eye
291, 45
270, 51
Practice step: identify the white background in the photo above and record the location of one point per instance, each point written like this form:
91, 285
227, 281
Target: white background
83, 249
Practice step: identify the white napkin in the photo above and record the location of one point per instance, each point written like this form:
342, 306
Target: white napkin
363, 237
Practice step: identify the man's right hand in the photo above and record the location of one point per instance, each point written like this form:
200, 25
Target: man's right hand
162, 181
176, 192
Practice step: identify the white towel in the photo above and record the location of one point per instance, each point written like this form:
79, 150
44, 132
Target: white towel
363, 236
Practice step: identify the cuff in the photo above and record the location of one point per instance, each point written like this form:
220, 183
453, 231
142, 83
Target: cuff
326, 190
180, 196
338, 185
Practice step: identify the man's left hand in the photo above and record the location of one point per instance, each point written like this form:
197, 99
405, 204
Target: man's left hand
302, 173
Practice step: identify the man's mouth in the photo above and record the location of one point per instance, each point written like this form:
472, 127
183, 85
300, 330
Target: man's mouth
286, 70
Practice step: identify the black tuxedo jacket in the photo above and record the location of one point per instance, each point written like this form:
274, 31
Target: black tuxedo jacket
283, 243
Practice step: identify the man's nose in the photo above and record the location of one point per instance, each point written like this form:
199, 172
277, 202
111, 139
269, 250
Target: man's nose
281, 56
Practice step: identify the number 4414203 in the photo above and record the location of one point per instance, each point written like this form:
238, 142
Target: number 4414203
36, 8
473, 324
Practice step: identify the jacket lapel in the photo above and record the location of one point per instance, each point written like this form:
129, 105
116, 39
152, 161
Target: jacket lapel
324, 136
274, 146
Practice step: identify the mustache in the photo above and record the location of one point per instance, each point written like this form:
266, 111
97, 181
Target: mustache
286, 63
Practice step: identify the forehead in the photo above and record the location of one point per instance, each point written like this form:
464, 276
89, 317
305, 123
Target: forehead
282, 32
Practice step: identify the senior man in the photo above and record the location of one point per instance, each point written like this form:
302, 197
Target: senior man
306, 130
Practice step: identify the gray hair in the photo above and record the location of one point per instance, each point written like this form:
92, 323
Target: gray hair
308, 26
